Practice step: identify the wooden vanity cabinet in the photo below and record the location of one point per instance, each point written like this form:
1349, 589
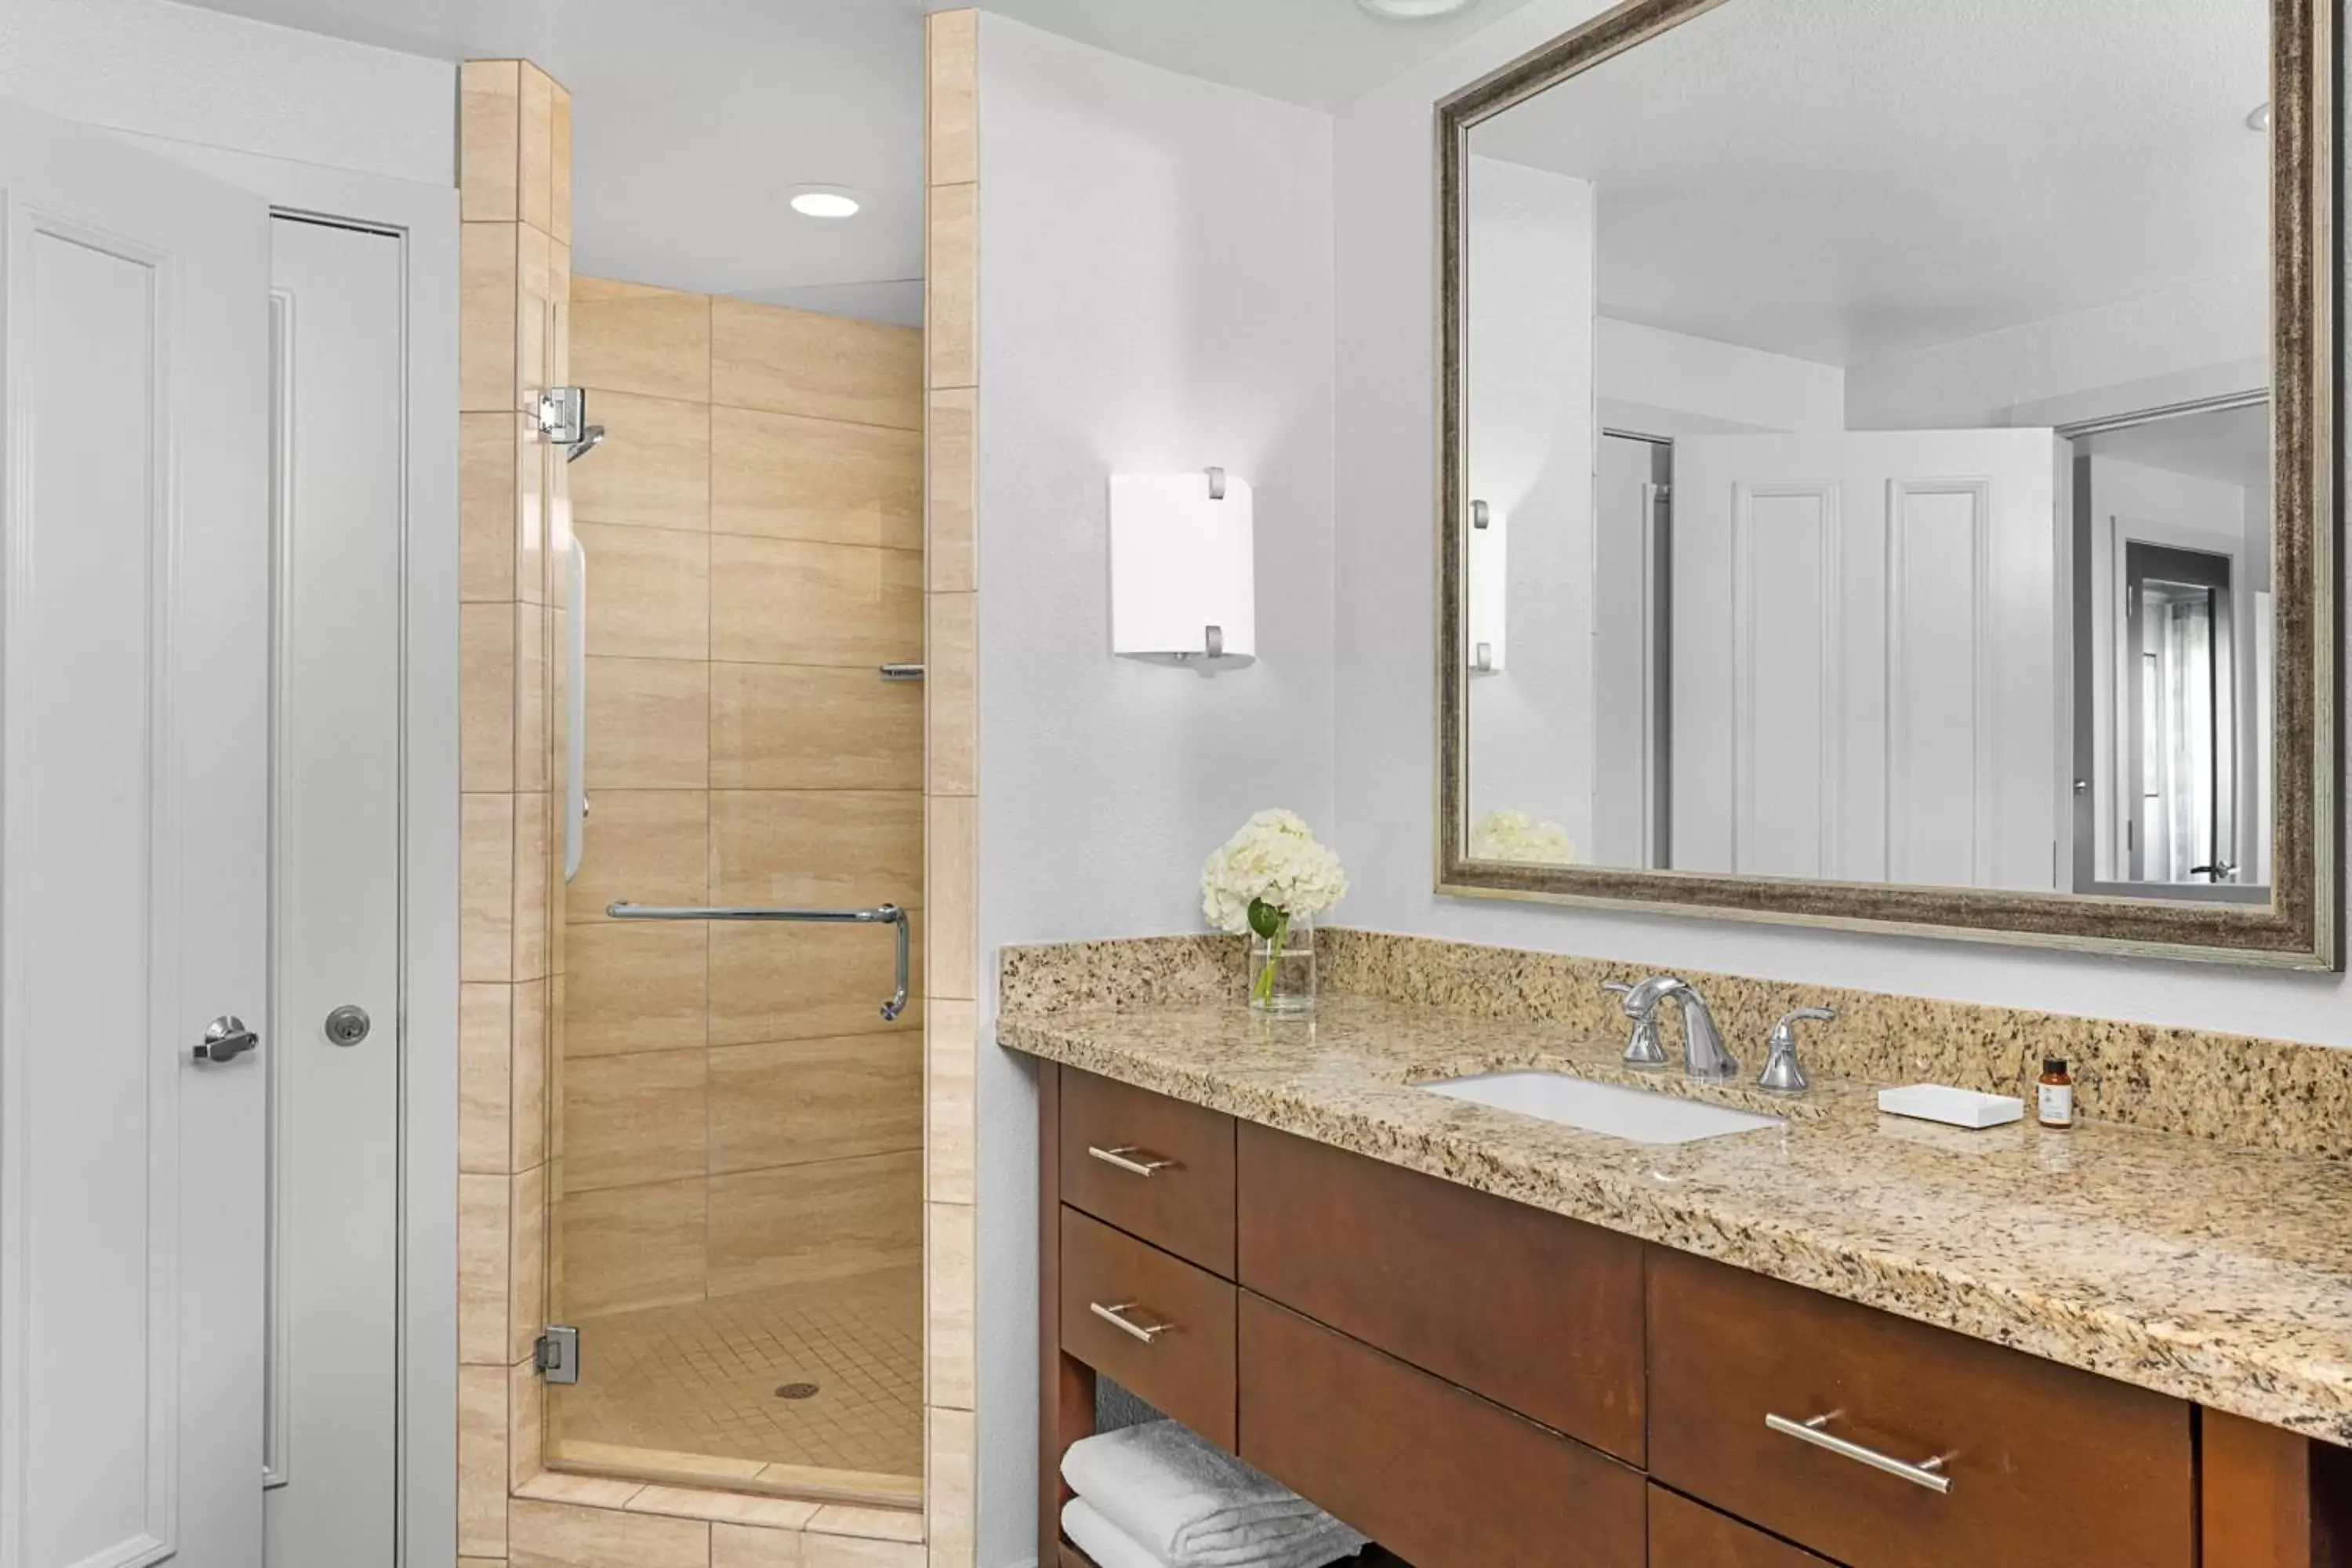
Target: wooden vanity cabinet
1432, 1472
1686, 1534
2044, 1464
1478, 1383
1160, 1327
1534, 1312
1155, 1167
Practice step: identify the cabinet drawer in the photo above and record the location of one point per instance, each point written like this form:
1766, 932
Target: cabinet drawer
1535, 1311
1154, 1166
1177, 1351
1685, 1535
1441, 1477
2044, 1464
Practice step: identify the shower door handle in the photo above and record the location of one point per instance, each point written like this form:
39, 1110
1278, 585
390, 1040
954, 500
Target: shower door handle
880, 914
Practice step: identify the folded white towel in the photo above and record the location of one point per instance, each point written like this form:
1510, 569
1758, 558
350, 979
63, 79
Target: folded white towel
1110, 1547
1099, 1538
1193, 1505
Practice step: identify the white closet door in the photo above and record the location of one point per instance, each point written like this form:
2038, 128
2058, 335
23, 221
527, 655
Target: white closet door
334, 1198
134, 550
1865, 657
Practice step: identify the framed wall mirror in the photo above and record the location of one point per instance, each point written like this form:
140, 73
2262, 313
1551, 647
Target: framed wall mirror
1888, 453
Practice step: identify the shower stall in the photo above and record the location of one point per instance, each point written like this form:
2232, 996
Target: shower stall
735, 1228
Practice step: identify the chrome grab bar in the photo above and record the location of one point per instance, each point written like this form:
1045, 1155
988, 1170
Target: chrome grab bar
881, 914
1129, 1157
1116, 1315
1928, 1473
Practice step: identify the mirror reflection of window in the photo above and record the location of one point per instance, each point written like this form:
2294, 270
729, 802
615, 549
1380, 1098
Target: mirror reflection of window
2173, 560
1887, 461
2183, 827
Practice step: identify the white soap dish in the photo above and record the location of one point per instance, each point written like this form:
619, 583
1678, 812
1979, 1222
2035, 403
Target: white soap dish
1956, 1107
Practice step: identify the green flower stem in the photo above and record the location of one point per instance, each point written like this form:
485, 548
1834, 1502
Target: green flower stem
1262, 990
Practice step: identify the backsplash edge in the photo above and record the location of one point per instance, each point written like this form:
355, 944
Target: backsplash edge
2232, 1089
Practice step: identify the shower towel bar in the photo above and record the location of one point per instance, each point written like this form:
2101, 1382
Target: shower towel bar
881, 914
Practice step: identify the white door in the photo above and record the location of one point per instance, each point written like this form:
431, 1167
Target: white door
1865, 657
134, 549
334, 1169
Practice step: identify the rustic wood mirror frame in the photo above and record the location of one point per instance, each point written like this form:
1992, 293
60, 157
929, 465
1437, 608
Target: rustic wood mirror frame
2299, 927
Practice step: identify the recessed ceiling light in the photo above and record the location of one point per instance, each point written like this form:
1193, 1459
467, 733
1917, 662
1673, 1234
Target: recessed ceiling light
825, 201
1414, 10
2260, 119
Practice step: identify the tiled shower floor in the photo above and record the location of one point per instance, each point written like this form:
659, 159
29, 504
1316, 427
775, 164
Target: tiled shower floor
699, 1382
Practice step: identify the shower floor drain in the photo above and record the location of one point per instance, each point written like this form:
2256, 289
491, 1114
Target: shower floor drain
796, 1391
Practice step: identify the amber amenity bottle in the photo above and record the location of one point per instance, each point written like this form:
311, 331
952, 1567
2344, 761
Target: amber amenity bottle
2054, 1097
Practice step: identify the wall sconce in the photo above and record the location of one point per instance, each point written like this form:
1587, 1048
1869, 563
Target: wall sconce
1183, 583
1489, 587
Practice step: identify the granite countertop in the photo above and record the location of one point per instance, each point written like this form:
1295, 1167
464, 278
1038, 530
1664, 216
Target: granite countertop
2216, 1274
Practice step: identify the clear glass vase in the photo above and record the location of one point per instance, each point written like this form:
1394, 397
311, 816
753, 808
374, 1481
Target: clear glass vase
1282, 967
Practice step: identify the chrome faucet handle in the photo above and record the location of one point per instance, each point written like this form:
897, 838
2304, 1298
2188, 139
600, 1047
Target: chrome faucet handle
1642, 1047
1783, 1074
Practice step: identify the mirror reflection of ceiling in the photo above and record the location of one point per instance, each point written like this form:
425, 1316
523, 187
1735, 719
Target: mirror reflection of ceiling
1846, 181
2231, 445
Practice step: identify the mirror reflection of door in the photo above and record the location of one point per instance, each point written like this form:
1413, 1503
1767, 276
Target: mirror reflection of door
2177, 648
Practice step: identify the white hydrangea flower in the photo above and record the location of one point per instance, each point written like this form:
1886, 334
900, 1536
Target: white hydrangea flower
1515, 835
1273, 859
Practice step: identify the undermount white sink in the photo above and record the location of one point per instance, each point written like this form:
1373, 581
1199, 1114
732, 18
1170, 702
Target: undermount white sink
1636, 1114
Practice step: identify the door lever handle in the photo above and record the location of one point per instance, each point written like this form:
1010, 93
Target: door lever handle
225, 1039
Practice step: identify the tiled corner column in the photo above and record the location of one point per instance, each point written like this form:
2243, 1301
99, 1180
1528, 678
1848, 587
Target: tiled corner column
951, 287
515, 266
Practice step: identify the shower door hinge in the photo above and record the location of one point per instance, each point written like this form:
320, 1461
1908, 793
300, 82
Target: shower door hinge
556, 1353
563, 414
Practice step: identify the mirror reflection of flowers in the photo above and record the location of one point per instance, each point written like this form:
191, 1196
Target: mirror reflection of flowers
1265, 877
1515, 837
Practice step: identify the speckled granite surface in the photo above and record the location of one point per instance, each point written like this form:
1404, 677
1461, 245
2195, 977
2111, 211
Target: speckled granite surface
2215, 1273
1136, 972
2264, 1094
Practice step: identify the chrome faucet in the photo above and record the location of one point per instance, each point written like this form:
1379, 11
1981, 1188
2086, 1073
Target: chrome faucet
1703, 1053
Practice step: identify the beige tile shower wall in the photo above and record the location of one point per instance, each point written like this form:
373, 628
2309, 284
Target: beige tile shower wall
951, 383
736, 1113
515, 271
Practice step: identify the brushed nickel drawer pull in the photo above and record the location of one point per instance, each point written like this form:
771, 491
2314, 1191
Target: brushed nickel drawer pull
1116, 1316
1927, 1473
1124, 1157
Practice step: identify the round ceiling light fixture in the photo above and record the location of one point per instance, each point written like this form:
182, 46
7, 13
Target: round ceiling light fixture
824, 201
1414, 10
2260, 119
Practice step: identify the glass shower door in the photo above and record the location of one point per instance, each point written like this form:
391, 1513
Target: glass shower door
736, 1225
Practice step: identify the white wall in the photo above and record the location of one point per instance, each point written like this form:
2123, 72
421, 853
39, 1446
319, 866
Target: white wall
1530, 412
2204, 339
1385, 574
1155, 296
1657, 383
184, 73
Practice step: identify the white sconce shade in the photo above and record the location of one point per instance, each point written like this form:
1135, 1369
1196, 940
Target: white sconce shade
1489, 588
1183, 585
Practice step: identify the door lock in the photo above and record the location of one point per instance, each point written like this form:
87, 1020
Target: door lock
348, 1024
225, 1039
